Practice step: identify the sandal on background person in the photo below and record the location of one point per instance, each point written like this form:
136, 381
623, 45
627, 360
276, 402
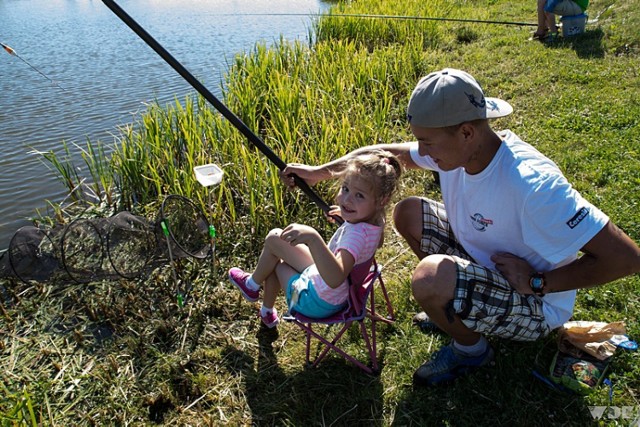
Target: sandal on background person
539, 35
546, 36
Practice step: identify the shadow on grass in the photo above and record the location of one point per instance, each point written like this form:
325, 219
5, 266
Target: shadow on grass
586, 45
335, 393
504, 394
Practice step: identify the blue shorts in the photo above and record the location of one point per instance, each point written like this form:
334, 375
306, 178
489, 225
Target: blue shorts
563, 7
309, 303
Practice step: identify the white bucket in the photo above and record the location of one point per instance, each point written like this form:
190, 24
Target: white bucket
573, 24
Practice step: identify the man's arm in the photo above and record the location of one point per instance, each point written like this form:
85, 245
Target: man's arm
608, 256
314, 174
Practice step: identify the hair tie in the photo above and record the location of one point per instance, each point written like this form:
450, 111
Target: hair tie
385, 160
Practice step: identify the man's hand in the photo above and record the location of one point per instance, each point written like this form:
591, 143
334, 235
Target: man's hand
516, 270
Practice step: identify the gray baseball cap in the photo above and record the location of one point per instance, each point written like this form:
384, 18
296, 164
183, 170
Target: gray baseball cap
450, 97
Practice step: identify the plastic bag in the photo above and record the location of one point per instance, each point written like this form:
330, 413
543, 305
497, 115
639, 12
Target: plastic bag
597, 339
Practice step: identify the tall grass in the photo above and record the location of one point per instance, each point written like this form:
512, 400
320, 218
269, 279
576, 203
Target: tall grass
576, 100
306, 106
375, 33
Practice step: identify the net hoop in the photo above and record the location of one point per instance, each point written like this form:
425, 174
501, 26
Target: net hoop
191, 235
91, 248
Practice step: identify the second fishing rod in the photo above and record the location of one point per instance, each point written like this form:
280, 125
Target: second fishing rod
391, 17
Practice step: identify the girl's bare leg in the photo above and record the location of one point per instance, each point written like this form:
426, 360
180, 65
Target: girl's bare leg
271, 289
275, 282
276, 250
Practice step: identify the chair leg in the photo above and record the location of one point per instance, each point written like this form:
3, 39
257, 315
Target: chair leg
330, 345
307, 331
371, 311
370, 344
390, 314
369, 336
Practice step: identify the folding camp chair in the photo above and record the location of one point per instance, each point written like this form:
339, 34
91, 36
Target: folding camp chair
360, 308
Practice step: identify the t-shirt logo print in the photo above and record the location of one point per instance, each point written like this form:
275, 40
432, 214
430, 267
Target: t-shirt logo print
478, 104
578, 217
479, 222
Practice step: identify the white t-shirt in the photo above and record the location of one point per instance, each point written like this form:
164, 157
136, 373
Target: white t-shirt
361, 240
520, 203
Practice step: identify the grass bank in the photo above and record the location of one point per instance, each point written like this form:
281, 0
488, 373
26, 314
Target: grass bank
122, 353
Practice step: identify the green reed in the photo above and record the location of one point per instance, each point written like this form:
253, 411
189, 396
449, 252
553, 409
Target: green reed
307, 108
65, 169
376, 32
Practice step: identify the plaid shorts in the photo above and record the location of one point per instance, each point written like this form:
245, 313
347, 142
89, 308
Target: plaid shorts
484, 300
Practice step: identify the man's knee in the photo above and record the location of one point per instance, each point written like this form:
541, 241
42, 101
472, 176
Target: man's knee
407, 216
434, 279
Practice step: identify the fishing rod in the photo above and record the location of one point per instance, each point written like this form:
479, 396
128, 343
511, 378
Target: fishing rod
12, 52
235, 120
397, 17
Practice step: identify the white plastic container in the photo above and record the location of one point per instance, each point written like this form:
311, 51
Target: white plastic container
573, 25
208, 175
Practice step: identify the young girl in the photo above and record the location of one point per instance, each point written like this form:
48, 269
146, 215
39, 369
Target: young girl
312, 274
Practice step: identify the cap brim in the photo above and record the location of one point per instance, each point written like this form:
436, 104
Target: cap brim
497, 108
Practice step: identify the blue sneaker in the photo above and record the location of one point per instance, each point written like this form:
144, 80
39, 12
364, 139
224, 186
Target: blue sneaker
447, 364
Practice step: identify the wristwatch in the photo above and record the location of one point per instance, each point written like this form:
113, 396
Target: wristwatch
537, 283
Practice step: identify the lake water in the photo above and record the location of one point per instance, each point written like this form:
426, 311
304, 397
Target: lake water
108, 74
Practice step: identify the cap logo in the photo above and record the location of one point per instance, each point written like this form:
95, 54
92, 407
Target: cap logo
472, 100
493, 106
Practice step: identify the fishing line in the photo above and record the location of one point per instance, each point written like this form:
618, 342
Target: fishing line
235, 120
12, 52
395, 17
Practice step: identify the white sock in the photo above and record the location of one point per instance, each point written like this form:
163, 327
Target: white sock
472, 350
251, 284
265, 310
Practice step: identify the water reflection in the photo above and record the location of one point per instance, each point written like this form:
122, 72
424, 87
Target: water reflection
109, 74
